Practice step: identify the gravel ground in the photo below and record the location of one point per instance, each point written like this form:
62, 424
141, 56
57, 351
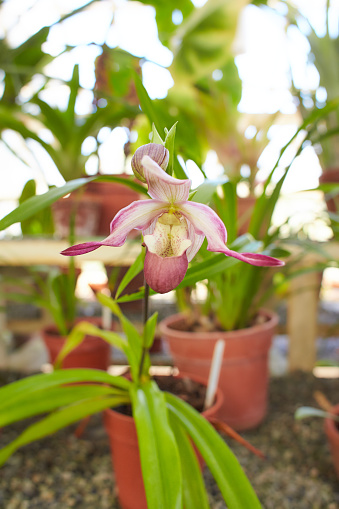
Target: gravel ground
62, 471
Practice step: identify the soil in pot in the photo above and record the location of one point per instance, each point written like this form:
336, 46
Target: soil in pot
124, 442
244, 371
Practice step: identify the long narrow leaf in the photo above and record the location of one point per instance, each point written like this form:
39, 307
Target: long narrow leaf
133, 271
45, 401
231, 479
59, 420
23, 389
158, 450
194, 491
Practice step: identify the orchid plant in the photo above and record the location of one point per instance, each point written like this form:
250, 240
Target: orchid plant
174, 228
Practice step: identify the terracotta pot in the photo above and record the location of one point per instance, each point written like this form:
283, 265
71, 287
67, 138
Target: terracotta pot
113, 197
331, 176
245, 208
93, 352
244, 372
87, 212
125, 455
332, 434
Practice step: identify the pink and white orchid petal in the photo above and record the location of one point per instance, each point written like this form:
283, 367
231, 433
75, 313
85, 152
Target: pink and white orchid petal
80, 249
257, 259
207, 223
138, 215
196, 242
162, 186
164, 274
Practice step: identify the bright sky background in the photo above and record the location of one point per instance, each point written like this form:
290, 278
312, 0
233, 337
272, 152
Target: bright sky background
262, 60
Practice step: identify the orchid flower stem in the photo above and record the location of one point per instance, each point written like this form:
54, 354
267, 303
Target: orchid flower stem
145, 314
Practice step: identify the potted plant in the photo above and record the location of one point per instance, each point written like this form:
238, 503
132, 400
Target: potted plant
166, 426
68, 131
53, 289
174, 228
163, 426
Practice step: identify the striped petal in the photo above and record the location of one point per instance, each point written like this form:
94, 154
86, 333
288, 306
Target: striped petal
138, 215
206, 222
162, 186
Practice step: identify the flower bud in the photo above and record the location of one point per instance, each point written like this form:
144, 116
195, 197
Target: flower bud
155, 151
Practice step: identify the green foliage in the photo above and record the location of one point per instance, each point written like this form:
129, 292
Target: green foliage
21, 63
52, 289
37, 203
166, 426
42, 222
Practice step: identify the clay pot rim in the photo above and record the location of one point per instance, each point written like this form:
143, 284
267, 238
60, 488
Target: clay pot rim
165, 328
53, 333
219, 398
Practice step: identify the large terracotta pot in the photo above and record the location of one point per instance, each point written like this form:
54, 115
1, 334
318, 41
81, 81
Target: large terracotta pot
125, 455
244, 372
86, 209
332, 433
93, 352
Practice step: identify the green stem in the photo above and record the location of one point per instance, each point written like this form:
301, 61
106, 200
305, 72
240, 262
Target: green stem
145, 314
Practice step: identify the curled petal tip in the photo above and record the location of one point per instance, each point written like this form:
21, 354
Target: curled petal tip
80, 249
257, 259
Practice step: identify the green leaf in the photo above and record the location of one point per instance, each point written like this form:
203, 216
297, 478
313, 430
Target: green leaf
36, 203
225, 468
158, 449
194, 492
22, 390
132, 272
169, 144
155, 136
307, 411
147, 105
46, 400
59, 420
149, 330
204, 193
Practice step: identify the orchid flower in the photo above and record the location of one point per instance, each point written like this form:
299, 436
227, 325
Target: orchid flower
173, 229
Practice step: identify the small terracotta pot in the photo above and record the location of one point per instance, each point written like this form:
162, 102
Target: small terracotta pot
244, 371
332, 433
125, 454
113, 197
93, 352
